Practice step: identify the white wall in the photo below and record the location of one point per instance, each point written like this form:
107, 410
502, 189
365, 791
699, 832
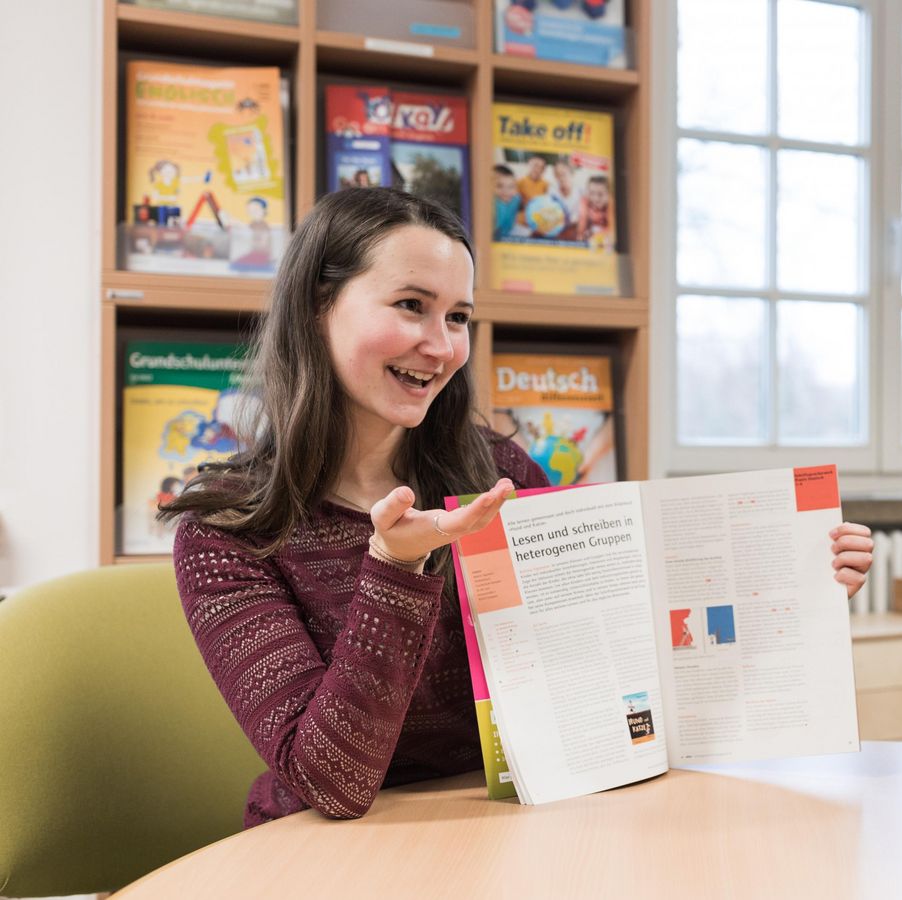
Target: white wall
50, 53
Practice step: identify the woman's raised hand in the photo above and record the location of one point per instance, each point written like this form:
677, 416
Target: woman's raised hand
852, 555
408, 534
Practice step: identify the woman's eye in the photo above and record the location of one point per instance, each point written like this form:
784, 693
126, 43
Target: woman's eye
459, 318
411, 304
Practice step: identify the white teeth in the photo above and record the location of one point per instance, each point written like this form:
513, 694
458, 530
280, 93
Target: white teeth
420, 376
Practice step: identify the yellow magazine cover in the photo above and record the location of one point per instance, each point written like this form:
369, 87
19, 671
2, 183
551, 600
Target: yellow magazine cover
554, 226
205, 169
561, 411
180, 408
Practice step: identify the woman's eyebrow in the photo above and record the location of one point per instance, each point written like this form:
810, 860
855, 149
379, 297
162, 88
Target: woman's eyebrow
419, 290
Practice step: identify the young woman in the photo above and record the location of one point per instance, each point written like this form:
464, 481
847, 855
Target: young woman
314, 567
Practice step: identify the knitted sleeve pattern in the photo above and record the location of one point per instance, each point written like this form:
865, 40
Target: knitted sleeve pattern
325, 721
319, 651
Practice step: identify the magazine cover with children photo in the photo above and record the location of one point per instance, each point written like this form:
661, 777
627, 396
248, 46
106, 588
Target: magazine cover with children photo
554, 225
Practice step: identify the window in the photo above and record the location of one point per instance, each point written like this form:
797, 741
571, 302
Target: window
777, 335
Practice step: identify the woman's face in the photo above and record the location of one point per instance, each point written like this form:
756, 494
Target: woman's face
398, 331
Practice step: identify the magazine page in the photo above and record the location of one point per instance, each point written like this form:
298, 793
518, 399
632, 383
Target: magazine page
753, 634
498, 778
558, 588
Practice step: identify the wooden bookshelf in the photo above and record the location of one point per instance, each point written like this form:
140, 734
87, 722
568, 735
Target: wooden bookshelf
573, 82
309, 54
355, 54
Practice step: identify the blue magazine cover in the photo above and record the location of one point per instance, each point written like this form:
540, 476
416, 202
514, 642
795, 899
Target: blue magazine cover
579, 31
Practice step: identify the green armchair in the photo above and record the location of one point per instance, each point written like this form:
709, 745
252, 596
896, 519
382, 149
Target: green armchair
117, 753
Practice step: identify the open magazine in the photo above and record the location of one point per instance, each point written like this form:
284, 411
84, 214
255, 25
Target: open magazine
618, 630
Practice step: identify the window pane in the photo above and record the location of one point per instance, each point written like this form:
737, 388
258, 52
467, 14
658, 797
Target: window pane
819, 380
819, 222
819, 71
721, 203
722, 65
721, 370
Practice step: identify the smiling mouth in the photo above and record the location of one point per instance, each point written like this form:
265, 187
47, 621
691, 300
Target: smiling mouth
411, 377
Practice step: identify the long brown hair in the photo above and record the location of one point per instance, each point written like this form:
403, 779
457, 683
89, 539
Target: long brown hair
295, 443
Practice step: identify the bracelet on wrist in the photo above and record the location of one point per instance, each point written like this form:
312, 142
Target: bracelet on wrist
380, 553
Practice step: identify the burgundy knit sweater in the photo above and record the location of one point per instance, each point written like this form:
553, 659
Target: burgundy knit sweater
347, 674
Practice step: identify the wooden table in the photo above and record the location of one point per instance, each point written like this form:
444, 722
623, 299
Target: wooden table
820, 827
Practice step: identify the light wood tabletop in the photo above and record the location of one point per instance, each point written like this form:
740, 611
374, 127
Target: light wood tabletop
819, 827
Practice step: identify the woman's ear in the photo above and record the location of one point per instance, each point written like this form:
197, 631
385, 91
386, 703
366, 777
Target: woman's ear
324, 304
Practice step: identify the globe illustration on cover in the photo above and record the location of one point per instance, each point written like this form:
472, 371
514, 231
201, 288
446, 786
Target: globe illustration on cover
559, 457
546, 215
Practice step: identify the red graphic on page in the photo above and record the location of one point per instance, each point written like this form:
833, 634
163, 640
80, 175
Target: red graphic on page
816, 488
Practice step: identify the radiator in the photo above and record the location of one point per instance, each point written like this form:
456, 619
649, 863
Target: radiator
877, 594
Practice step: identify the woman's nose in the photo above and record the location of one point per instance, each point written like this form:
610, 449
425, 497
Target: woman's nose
437, 341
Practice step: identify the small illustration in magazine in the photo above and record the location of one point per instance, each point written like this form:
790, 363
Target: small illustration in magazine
721, 625
638, 717
682, 629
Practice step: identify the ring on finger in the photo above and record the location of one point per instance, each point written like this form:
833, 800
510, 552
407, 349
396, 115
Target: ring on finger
437, 527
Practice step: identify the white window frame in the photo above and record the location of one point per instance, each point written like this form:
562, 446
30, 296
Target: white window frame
891, 188
871, 465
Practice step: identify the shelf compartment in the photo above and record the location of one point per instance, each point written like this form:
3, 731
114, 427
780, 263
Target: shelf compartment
570, 81
182, 32
354, 54
439, 23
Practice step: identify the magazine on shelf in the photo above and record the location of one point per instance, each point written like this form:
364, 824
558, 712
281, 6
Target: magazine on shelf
560, 408
430, 148
277, 12
624, 629
180, 404
443, 23
415, 141
358, 136
205, 160
590, 32
554, 227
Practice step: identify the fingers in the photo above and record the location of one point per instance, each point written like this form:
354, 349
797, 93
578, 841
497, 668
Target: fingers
853, 559
477, 514
852, 555
851, 578
850, 528
495, 495
390, 508
487, 505
852, 542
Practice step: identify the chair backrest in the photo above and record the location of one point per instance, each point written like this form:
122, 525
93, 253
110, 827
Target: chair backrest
117, 752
